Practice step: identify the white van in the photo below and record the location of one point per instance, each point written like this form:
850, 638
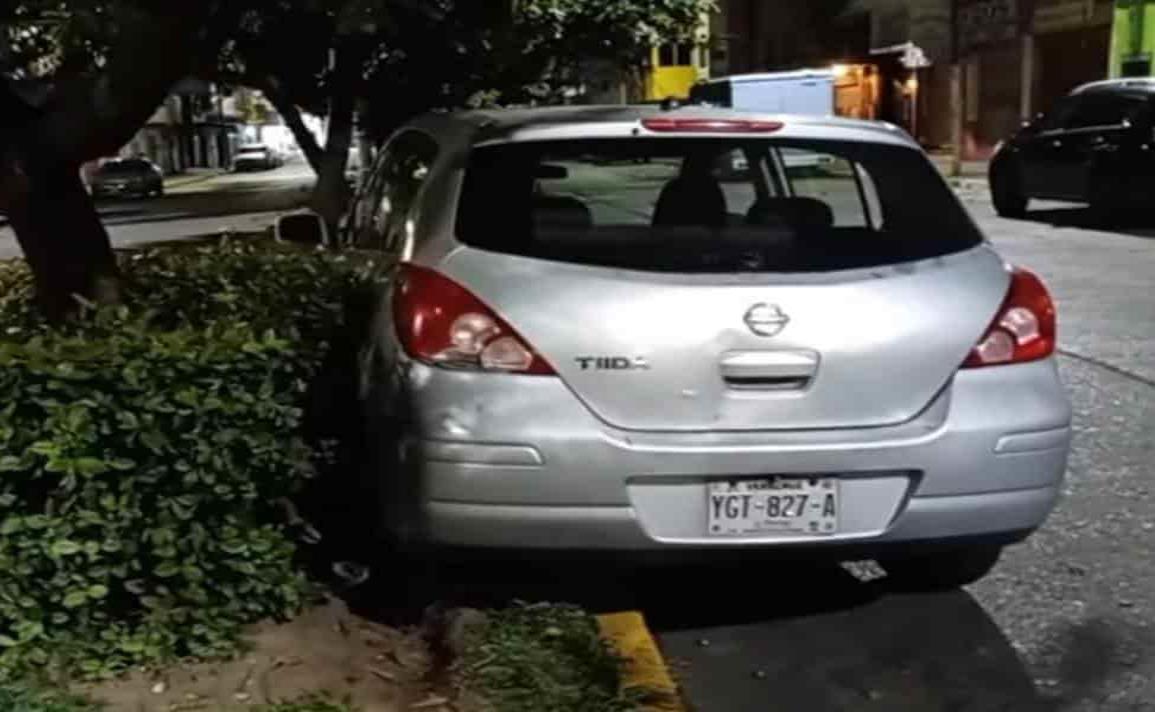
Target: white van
806, 91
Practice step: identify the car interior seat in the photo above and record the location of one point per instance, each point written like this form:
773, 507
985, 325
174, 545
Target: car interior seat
560, 212
800, 214
691, 200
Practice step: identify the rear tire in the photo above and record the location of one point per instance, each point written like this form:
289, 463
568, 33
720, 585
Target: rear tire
1007, 193
941, 571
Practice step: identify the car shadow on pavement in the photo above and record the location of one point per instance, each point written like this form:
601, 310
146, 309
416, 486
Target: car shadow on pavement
787, 637
1083, 218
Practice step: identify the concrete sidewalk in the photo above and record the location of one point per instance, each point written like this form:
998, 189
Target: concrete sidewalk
972, 175
192, 177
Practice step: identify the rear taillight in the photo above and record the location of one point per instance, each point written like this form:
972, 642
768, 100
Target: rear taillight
439, 322
1024, 329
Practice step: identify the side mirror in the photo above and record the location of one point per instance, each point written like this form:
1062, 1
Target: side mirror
304, 228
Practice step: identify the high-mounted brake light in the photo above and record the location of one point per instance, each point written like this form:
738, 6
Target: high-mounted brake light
670, 124
1024, 329
441, 323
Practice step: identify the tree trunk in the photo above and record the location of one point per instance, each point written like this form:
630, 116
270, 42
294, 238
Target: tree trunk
292, 116
63, 239
332, 191
331, 194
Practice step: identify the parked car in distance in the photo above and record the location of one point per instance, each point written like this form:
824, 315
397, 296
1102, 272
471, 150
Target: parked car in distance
1094, 147
127, 178
580, 352
257, 157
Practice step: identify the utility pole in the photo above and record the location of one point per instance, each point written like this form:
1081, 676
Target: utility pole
957, 95
956, 117
1027, 76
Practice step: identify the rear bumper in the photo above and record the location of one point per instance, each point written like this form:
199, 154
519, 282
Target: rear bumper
513, 462
933, 520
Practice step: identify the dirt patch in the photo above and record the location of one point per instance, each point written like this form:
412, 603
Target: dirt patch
326, 649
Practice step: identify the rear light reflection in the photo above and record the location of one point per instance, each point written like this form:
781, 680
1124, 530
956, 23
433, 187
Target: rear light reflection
1024, 329
441, 323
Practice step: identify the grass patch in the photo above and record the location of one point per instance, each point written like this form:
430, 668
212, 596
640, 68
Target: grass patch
544, 657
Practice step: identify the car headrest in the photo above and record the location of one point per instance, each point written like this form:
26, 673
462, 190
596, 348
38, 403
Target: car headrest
801, 214
691, 201
561, 212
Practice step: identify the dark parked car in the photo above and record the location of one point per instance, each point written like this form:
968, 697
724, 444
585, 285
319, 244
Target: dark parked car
1096, 146
132, 177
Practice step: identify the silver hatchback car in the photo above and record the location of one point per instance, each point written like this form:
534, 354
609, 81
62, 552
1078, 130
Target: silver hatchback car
632, 329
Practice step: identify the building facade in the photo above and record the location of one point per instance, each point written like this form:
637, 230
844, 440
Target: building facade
189, 130
1018, 57
673, 68
1133, 39
922, 94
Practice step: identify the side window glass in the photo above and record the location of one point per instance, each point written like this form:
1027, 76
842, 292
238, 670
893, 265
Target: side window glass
1104, 110
736, 175
1060, 116
1137, 112
397, 182
830, 180
368, 199
404, 178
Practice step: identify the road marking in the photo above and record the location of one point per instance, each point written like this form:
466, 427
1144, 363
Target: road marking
1108, 367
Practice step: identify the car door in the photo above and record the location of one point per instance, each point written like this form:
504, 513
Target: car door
1089, 145
1041, 150
1116, 154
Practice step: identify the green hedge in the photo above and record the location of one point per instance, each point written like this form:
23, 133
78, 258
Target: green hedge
144, 453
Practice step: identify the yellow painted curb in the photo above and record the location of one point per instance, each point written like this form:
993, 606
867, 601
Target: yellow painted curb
644, 666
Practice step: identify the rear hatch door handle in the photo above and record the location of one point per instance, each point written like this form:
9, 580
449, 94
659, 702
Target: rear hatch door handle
769, 370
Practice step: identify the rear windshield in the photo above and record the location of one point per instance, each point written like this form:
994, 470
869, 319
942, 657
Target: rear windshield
710, 205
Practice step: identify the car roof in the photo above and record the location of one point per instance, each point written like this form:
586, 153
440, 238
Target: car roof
1130, 85
624, 121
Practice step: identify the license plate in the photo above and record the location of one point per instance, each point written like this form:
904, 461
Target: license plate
780, 505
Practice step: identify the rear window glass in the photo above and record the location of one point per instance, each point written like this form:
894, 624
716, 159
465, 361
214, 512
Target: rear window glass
710, 205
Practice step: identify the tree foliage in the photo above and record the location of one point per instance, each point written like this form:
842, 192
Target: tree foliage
79, 77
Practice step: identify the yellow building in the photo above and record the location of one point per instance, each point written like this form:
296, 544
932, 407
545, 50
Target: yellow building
674, 68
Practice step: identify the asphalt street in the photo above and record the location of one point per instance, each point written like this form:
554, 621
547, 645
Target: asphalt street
237, 202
